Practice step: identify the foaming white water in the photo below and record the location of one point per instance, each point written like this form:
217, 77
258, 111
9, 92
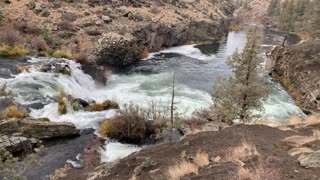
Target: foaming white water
186, 50
142, 89
114, 151
81, 119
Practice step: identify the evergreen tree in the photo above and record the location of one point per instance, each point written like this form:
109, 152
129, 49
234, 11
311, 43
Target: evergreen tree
236, 97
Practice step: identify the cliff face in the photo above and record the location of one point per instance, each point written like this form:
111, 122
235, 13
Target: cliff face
117, 33
300, 66
155, 28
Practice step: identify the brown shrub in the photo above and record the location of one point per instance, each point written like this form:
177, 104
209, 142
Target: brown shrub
130, 125
81, 57
65, 25
10, 36
38, 43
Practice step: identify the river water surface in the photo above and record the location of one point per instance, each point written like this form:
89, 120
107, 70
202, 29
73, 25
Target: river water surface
196, 67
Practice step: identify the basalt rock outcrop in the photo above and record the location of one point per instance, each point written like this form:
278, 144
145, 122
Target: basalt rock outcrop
21, 135
300, 66
37, 128
118, 33
171, 26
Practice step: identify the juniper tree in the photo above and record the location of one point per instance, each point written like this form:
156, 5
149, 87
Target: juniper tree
238, 96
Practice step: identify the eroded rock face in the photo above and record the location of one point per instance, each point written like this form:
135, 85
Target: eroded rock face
121, 50
300, 65
37, 129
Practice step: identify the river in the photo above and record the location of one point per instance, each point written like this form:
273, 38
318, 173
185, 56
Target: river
196, 67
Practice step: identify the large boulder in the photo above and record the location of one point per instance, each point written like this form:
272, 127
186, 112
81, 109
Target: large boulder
37, 129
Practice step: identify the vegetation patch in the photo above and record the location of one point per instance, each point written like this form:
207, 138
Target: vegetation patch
64, 71
131, 125
62, 53
13, 112
9, 51
108, 104
62, 107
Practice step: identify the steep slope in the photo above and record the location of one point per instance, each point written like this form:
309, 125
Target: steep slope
265, 152
298, 67
118, 33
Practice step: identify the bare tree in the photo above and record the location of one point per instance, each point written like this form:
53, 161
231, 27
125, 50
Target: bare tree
172, 103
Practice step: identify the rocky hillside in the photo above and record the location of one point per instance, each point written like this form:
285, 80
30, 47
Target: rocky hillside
298, 67
256, 10
114, 32
237, 152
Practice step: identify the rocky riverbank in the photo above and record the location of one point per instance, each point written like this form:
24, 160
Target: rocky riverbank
297, 67
22, 135
117, 33
236, 152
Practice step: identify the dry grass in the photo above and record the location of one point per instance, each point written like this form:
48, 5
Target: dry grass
284, 128
13, 112
182, 169
243, 152
312, 120
201, 159
133, 177
316, 133
177, 171
9, 51
23, 69
261, 173
294, 120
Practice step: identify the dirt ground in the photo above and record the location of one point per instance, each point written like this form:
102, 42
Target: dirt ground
153, 162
